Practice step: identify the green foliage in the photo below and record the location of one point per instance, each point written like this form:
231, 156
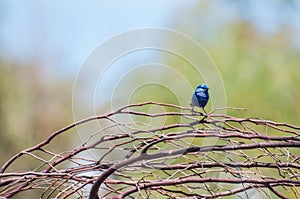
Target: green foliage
30, 108
259, 72
260, 69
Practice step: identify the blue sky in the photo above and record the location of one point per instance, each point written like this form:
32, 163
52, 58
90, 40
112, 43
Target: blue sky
60, 35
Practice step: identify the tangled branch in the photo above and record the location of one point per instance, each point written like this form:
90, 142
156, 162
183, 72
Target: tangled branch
162, 150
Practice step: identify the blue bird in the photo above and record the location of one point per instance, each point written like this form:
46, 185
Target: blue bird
200, 97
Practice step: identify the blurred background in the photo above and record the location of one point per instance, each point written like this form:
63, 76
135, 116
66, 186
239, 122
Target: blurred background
255, 44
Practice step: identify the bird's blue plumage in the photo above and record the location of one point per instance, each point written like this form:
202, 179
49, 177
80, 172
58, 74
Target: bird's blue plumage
200, 97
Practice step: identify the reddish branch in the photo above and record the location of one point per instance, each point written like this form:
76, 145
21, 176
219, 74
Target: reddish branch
158, 148
265, 182
145, 156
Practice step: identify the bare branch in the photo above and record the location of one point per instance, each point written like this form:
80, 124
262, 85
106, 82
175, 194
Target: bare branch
177, 154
